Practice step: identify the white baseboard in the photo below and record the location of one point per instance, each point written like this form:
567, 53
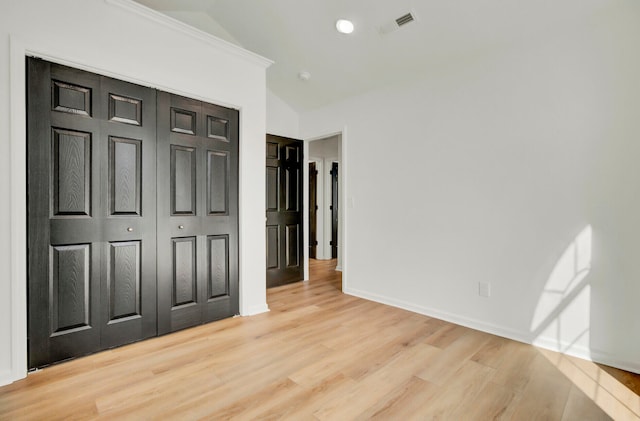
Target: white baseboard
552, 344
6, 377
252, 311
339, 268
516, 335
585, 353
606, 358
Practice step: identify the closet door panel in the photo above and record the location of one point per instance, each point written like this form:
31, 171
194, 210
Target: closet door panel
63, 172
128, 171
197, 199
91, 212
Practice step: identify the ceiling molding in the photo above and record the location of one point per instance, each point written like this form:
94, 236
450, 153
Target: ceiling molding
150, 14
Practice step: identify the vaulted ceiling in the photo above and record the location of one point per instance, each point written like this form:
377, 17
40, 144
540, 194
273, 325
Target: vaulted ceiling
300, 36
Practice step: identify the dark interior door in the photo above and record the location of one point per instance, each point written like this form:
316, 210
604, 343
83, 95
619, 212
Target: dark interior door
334, 210
197, 212
91, 229
284, 210
313, 209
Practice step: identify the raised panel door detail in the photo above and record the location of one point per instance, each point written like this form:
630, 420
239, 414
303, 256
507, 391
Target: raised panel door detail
197, 220
272, 188
217, 128
292, 180
183, 121
71, 155
91, 153
284, 217
124, 280
273, 246
125, 176
272, 150
218, 261
69, 98
183, 180
218, 182
125, 110
293, 245
69, 288
184, 271
291, 153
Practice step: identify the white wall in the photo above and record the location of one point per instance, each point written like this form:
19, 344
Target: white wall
325, 148
282, 120
200, 20
112, 38
518, 169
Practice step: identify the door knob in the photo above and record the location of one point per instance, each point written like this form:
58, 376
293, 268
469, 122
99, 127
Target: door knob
130, 229
180, 227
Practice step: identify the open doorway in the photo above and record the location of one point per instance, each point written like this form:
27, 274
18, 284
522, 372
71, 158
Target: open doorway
323, 218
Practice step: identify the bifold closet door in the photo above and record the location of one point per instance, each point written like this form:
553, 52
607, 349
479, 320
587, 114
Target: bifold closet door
197, 212
91, 212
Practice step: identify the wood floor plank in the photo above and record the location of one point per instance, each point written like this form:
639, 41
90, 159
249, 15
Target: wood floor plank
321, 354
493, 352
550, 390
494, 402
404, 402
446, 335
580, 407
328, 390
453, 357
515, 369
466, 384
614, 397
398, 370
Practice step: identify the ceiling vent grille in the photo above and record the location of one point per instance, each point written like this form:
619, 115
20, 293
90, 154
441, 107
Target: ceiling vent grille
395, 24
403, 20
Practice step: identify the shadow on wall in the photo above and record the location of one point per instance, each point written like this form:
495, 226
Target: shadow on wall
561, 322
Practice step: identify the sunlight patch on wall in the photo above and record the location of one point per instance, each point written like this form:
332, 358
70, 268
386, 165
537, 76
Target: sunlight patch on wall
562, 317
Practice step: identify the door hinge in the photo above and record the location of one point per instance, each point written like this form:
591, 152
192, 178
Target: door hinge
316, 207
331, 207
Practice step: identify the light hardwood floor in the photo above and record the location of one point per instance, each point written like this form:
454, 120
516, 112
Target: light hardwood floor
319, 354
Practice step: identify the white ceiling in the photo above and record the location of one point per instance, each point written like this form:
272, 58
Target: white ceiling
300, 35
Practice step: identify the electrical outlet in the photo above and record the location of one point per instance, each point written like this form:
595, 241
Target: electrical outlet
484, 289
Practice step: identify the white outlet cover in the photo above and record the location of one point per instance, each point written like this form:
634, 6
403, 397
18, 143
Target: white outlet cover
484, 289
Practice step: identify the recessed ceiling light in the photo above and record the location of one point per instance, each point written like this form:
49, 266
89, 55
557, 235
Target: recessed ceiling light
344, 26
304, 76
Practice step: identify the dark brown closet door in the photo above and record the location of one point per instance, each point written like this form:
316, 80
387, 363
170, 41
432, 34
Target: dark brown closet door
91, 212
313, 209
284, 210
197, 212
334, 210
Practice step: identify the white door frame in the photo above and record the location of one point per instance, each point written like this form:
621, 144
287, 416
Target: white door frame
342, 199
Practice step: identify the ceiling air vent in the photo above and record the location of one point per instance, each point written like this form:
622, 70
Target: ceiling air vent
403, 20
395, 24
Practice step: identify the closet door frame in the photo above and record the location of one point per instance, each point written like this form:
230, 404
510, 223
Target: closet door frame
114, 250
